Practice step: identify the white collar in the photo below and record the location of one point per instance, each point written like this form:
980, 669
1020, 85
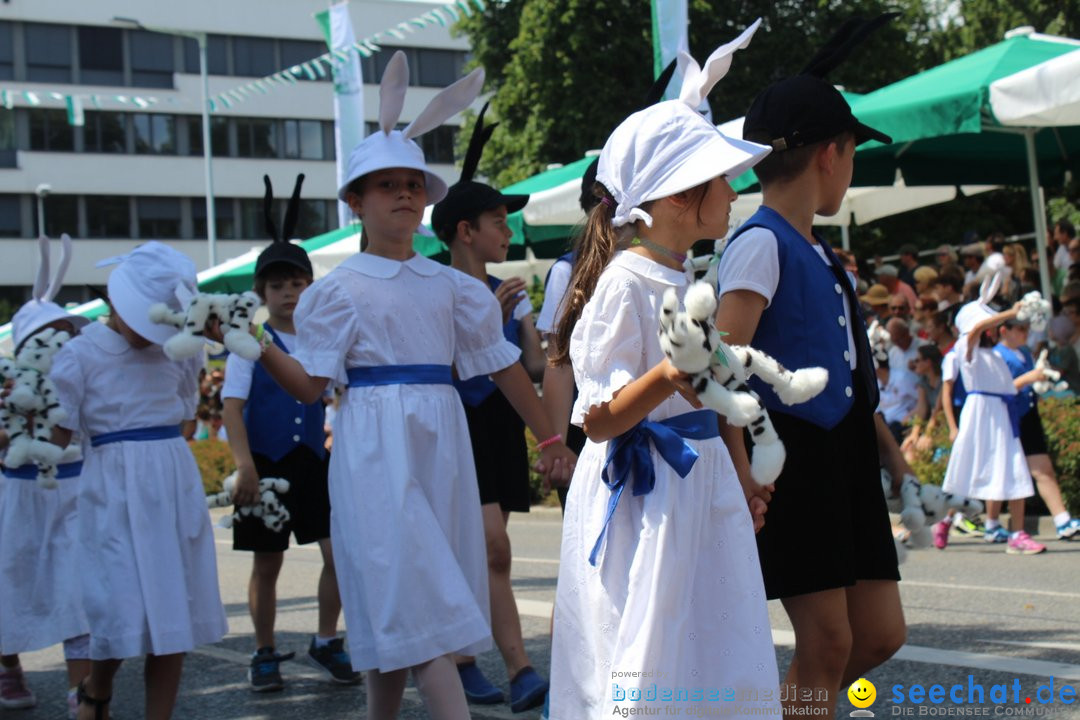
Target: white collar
641, 265
105, 338
385, 268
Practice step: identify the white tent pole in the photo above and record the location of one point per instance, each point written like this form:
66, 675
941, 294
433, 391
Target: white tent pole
1039, 213
845, 237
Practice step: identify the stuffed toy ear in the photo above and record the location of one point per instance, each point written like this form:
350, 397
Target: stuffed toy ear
41, 282
268, 210
837, 49
292, 213
65, 260
989, 288
395, 81
698, 81
447, 104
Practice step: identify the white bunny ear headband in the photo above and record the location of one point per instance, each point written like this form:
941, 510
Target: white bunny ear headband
976, 310
390, 148
668, 148
41, 310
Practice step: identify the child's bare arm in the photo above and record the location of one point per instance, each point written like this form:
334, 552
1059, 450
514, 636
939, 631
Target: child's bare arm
532, 354
633, 402
246, 490
556, 460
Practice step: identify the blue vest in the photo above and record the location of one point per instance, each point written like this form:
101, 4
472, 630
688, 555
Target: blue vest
477, 389
1026, 395
805, 326
276, 423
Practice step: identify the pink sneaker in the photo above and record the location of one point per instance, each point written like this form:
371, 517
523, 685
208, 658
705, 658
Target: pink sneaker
1022, 544
941, 534
14, 694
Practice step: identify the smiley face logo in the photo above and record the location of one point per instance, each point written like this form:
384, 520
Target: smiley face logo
862, 693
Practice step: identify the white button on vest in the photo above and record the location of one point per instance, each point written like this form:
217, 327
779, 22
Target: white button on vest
299, 403
296, 438
842, 320
299, 420
839, 290
847, 355
847, 391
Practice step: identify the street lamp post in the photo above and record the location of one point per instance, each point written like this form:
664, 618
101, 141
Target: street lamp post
200, 38
42, 192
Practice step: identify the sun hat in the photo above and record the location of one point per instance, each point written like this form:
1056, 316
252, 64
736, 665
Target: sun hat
389, 148
876, 295
669, 147
151, 273
40, 310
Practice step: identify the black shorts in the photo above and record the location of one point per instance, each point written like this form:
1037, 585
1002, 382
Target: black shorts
575, 440
1032, 437
500, 453
308, 502
827, 525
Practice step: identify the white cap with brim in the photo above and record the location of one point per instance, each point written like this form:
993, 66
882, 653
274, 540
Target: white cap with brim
389, 148
669, 147
151, 273
41, 310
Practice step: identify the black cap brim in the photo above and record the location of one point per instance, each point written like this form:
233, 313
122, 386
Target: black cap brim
864, 133
283, 253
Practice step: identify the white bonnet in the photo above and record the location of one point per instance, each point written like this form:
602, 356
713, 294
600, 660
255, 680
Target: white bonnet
41, 310
151, 273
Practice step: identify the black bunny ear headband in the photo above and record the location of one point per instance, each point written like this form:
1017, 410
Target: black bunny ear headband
806, 109
281, 250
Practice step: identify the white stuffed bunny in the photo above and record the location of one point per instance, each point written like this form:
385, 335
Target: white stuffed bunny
719, 374
269, 508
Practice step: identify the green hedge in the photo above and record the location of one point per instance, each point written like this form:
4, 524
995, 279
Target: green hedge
1061, 422
215, 462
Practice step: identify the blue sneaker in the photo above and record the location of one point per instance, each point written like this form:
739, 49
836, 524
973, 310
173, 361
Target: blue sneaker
478, 690
527, 690
1067, 530
997, 535
334, 660
264, 674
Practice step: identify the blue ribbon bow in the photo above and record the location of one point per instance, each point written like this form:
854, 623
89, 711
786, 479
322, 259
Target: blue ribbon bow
629, 453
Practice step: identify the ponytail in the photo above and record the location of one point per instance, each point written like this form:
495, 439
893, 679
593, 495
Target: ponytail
597, 247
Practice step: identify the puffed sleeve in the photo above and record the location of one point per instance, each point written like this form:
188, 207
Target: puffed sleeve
188, 388
325, 320
606, 347
479, 345
66, 374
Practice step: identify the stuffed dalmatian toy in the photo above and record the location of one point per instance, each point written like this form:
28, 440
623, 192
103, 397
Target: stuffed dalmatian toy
719, 374
269, 508
235, 312
32, 408
921, 505
1052, 378
1034, 310
880, 341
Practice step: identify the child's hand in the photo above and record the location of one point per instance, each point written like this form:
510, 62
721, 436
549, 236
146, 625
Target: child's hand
509, 295
213, 330
246, 490
681, 382
758, 508
556, 464
953, 432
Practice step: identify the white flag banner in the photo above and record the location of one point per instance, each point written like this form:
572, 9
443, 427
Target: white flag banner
348, 92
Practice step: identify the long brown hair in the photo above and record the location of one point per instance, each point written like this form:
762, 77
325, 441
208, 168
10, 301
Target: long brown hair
596, 248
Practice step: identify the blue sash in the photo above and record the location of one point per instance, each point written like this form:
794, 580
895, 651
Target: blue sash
400, 375
629, 453
160, 432
1011, 403
30, 472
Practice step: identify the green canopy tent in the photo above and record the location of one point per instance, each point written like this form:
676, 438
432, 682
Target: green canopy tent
949, 128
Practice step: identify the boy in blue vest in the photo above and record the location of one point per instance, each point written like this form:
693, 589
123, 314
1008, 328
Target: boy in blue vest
272, 435
784, 292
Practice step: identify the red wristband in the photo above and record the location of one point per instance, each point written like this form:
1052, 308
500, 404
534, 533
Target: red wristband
550, 441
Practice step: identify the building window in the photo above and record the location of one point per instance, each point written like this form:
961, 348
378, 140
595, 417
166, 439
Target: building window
48, 52
104, 132
219, 135
252, 220
101, 56
151, 59
61, 215
108, 216
256, 138
303, 139
217, 55
439, 68
253, 57
438, 145
10, 217
314, 218
7, 138
155, 134
224, 217
159, 218
294, 52
7, 53
50, 131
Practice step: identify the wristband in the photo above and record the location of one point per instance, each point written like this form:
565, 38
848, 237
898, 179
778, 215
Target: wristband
264, 339
550, 441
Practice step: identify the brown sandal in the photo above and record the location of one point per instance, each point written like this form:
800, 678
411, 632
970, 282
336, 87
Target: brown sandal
98, 705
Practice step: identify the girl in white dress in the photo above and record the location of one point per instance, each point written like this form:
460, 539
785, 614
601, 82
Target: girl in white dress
40, 600
148, 570
660, 604
406, 525
987, 460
